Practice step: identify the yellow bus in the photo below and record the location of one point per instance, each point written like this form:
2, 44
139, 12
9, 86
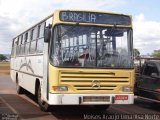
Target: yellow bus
76, 57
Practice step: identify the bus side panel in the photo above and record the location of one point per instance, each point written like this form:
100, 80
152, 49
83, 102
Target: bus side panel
30, 69
27, 82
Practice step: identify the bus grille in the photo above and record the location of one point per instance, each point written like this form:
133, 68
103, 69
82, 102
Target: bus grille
99, 81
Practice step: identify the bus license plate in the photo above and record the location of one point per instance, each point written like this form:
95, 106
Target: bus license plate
121, 97
96, 99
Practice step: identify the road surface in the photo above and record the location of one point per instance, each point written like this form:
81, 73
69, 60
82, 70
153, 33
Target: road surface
23, 107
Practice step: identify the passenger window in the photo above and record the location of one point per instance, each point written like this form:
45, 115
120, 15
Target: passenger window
33, 41
35, 34
19, 40
18, 46
31, 37
26, 37
41, 34
40, 41
23, 40
27, 42
22, 44
38, 33
32, 47
40, 44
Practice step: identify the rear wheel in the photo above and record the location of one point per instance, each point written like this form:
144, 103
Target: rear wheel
19, 89
43, 105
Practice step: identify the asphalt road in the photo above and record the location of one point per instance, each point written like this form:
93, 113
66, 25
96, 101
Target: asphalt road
23, 107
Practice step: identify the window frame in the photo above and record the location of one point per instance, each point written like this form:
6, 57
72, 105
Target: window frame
149, 68
33, 38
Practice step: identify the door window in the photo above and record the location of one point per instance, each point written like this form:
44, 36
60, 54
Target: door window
150, 69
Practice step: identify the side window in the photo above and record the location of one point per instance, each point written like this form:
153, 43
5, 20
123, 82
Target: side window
40, 40
18, 46
31, 36
33, 40
35, 33
41, 30
38, 33
22, 44
149, 69
26, 36
27, 41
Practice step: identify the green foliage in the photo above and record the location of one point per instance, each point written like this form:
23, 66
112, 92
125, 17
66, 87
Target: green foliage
2, 57
156, 54
136, 52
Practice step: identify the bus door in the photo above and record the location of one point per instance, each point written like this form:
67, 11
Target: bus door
46, 64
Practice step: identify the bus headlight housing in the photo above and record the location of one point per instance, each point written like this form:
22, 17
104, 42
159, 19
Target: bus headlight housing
60, 88
127, 89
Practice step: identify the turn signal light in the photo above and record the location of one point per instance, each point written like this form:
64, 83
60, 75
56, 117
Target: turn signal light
60, 88
127, 89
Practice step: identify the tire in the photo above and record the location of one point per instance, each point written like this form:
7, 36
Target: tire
100, 107
43, 105
19, 89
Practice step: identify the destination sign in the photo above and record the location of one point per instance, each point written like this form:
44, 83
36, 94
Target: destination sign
93, 17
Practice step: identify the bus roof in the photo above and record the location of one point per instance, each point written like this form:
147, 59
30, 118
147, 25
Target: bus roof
96, 11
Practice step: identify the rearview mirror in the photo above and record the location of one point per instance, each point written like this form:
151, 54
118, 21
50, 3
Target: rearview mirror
47, 33
114, 33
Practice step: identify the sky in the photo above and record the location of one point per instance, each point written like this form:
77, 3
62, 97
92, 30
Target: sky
18, 15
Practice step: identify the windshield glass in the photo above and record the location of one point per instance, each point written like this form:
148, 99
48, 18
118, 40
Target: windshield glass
89, 46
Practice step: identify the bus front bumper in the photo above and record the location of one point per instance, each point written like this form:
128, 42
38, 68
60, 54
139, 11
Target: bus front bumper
90, 99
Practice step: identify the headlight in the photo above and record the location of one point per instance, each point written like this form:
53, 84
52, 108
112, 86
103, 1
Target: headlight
127, 89
60, 88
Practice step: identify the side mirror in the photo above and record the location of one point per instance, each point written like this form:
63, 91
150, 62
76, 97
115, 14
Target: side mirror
47, 33
154, 74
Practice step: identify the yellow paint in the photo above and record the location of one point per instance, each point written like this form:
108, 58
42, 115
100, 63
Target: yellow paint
84, 77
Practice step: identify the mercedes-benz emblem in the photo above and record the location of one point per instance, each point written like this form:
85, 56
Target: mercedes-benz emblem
96, 84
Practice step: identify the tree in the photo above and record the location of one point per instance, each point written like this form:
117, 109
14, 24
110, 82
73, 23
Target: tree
156, 54
136, 52
2, 57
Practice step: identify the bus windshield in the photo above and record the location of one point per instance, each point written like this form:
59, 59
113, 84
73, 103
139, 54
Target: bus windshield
91, 47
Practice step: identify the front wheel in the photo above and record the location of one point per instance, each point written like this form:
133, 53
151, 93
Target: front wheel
43, 105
